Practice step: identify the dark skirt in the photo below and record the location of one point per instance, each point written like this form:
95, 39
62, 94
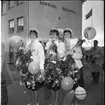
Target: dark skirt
30, 82
50, 86
36, 87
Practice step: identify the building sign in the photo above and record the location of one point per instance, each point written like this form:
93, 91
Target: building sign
48, 4
54, 6
68, 10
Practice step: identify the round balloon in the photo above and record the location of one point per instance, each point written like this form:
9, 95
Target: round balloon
67, 83
33, 67
80, 93
89, 33
15, 42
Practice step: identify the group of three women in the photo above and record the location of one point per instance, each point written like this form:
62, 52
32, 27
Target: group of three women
66, 45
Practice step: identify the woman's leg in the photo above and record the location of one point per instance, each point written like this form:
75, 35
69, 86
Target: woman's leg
53, 97
56, 97
36, 98
32, 97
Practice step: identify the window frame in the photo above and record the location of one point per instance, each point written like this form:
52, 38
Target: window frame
11, 32
9, 5
2, 2
18, 2
20, 30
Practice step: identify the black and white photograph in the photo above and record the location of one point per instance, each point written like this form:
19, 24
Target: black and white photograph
52, 52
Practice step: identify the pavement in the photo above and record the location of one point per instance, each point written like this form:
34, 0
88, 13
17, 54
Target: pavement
19, 95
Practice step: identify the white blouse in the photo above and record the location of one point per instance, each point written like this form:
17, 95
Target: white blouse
76, 51
37, 52
60, 47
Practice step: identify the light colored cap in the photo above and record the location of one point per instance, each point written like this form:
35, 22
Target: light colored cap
35, 30
60, 30
68, 29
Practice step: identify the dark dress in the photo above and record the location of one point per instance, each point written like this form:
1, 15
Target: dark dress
50, 86
36, 87
53, 75
30, 82
26, 77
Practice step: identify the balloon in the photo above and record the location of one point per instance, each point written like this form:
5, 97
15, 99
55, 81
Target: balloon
80, 93
15, 41
89, 33
33, 67
69, 97
67, 83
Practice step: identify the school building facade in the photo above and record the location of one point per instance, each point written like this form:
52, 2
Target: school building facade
18, 17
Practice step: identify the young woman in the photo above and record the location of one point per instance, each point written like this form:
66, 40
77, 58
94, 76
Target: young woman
74, 49
60, 51
38, 55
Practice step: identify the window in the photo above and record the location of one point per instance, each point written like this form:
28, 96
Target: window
11, 26
20, 24
19, 2
3, 7
10, 4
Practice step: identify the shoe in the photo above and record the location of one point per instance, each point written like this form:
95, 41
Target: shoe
30, 104
36, 104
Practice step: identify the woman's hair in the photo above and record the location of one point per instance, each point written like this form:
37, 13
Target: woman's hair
33, 31
54, 31
68, 31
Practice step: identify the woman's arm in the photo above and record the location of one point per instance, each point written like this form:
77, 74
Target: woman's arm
41, 56
47, 45
61, 50
27, 46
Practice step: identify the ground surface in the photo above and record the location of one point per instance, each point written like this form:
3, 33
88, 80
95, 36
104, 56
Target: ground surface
18, 95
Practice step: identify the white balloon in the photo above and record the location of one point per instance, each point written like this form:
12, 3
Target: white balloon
89, 33
80, 93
